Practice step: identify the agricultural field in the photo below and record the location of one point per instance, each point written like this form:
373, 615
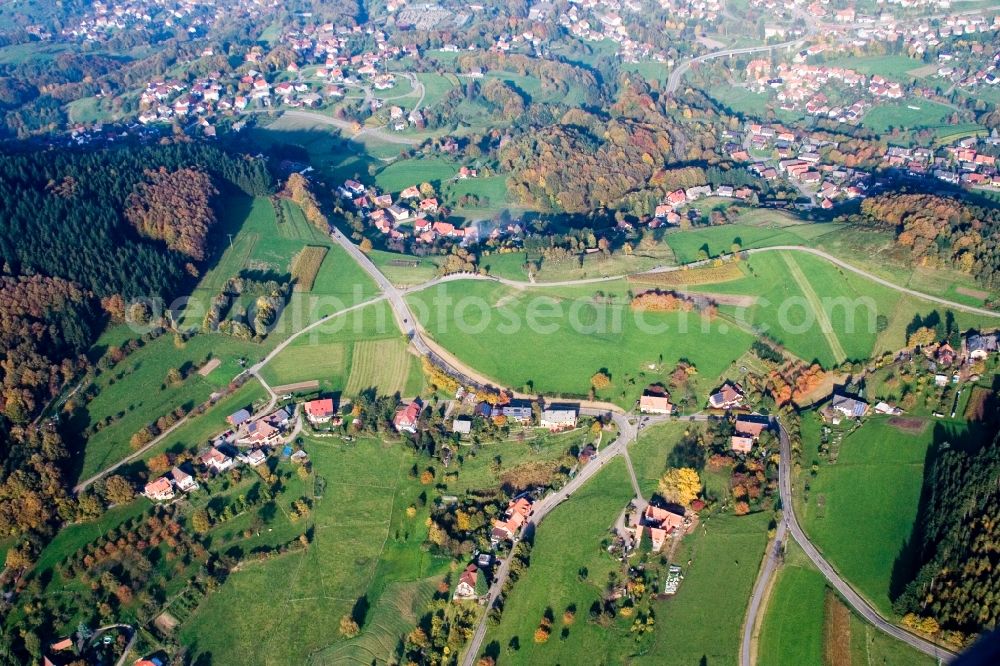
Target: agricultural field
860, 510
512, 265
806, 623
706, 242
349, 353
513, 335
436, 86
306, 265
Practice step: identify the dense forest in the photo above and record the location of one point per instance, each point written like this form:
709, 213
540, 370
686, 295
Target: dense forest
588, 161
175, 207
957, 586
940, 231
61, 214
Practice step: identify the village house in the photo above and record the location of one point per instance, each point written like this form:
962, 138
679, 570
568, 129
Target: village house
216, 460
258, 433
184, 481
238, 418
407, 416
747, 431
655, 401
461, 426
160, 490
319, 411
519, 411
661, 524
471, 584
515, 516
847, 406
253, 457
730, 396
558, 417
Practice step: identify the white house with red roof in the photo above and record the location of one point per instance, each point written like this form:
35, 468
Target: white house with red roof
319, 411
160, 490
407, 417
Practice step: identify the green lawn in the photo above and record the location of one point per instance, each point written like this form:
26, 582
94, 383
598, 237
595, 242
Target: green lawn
556, 339
860, 510
889, 66
436, 87
404, 270
692, 245
649, 453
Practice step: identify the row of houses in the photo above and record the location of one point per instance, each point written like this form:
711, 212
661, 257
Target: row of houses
554, 417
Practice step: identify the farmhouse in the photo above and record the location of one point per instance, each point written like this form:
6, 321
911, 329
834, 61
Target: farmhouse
184, 481
661, 523
558, 417
159, 490
981, 346
406, 417
728, 397
319, 411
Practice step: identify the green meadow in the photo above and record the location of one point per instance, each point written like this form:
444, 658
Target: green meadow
554, 340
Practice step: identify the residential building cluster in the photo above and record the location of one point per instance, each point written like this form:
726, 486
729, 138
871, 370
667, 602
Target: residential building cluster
962, 163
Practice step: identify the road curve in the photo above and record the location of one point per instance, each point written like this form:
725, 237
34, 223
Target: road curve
854, 600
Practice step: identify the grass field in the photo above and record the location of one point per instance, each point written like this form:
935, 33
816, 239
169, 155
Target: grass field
436, 86
895, 67
793, 631
403, 269
511, 265
860, 510
400, 175
556, 339
884, 117
360, 531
